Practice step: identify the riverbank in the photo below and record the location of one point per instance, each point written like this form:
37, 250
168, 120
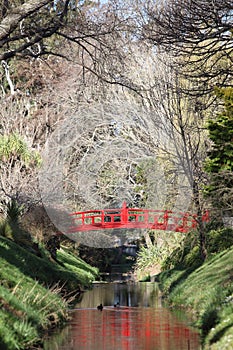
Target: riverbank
35, 292
207, 291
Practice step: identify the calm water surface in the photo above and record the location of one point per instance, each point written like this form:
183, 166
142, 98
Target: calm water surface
139, 323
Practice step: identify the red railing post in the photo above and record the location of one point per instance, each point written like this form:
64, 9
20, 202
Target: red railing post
165, 217
124, 213
102, 218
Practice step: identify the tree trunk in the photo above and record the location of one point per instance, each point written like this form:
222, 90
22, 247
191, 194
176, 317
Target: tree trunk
148, 240
201, 228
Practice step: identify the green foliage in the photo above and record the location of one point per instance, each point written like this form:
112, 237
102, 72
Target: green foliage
221, 133
8, 340
151, 258
148, 257
5, 229
170, 278
27, 309
209, 319
208, 315
14, 148
193, 257
14, 211
220, 159
188, 254
26, 306
10, 226
219, 240
185, 255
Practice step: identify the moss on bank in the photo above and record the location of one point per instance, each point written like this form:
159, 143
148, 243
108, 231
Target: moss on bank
208, 291
31, 290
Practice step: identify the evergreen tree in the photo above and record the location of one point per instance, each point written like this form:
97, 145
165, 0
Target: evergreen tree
219, 164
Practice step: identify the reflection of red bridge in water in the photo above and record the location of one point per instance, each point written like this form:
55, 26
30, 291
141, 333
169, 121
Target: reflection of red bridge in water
134, 218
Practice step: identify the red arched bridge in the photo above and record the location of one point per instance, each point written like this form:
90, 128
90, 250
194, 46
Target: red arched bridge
134, 218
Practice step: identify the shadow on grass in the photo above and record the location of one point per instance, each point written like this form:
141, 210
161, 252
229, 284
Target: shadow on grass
179, 273
40, 269
220, 334
65, 257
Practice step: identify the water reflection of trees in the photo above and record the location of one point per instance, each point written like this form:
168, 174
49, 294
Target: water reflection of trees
126, 327
127, 294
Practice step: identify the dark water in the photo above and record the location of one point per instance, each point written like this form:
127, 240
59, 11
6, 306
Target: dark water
139, 323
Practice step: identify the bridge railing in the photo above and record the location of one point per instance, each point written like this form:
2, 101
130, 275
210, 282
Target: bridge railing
163, 219
133, 218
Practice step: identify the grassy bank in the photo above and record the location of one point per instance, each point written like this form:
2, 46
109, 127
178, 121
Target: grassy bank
208, 292
34, 292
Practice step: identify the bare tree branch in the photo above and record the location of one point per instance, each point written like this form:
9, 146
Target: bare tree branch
12, 20
197, 33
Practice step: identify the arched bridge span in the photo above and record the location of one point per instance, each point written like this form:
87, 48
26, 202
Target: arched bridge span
133, 218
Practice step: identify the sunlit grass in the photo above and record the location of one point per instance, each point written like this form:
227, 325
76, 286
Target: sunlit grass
27, 308
208, 290
221, 336
86, 273
31, 290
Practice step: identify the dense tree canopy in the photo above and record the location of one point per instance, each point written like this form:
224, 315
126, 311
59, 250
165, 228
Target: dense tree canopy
221, 134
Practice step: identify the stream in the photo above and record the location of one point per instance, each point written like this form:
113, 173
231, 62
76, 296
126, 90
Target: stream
139, 322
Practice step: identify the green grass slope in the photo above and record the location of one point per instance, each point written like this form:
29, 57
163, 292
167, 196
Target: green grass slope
30, 292
208, 290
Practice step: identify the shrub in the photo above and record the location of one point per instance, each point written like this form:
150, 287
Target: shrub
219, 240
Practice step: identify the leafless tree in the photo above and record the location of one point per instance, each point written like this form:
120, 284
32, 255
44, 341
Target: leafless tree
183, 121
39, 28
102, 135
93, 158
198, 34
